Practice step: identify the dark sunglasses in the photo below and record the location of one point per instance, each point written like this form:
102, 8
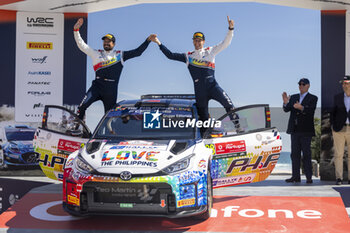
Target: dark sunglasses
302, 84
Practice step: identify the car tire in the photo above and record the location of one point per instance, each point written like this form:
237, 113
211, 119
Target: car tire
3, 165
207, 213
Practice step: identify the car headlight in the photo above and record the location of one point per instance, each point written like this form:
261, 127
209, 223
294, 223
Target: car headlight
14, 148
82, 165
179, 165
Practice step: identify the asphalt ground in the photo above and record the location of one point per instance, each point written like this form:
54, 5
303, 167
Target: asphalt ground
321, 206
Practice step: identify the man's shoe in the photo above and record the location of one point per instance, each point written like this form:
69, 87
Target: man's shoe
338, 182
309, 181
292, 180
349, 181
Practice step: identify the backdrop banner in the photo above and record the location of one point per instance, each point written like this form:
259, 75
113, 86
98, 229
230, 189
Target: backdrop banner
39, 64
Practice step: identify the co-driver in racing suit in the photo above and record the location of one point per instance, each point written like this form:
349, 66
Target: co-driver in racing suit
201, 64
108, 65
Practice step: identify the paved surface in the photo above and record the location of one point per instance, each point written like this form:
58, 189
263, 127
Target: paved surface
268, 206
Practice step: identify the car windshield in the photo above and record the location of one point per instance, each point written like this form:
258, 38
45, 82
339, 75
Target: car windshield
146, 123
20, 135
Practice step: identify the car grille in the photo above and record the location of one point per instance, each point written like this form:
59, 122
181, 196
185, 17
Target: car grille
138, 193
30, 157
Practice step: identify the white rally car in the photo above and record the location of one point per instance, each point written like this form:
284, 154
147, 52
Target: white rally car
148, 156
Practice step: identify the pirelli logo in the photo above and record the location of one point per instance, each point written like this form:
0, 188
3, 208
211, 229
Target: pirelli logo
39, 45
186, 202
73, 200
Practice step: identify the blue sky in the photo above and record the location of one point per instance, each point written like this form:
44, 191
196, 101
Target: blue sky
272, 49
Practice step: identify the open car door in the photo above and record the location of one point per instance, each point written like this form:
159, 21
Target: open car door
245, 147
60, 134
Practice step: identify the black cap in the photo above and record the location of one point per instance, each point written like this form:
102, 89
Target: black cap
198, 35
304, 80
109, 36
346, 79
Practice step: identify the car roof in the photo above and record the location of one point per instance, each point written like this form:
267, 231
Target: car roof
157, 102
18, 128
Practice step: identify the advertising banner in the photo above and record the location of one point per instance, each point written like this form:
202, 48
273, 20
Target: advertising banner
39, 64
347, 45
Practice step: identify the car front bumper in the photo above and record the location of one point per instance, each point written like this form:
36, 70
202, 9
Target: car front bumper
164, 196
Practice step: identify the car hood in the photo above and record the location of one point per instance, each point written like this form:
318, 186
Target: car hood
137, 157
22, 144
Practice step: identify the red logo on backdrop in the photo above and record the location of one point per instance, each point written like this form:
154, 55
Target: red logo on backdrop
70, 146
230, 147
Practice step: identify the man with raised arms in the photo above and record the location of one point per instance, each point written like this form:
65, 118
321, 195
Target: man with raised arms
108, 65
201, 64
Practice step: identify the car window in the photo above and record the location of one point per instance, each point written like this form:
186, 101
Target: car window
242, 120
20, 135
138, 123
62, 121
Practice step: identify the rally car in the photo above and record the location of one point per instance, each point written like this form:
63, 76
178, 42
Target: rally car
16, 145
151, 157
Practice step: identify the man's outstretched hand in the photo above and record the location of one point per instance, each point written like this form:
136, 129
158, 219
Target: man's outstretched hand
231, 23
78, 24
154, 38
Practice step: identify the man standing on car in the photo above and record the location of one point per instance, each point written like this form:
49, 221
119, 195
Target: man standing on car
108, 65
301, 128
340, 121
201, 64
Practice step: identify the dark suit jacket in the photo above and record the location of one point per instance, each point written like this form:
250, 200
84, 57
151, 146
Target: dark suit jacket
338, 114
301, 121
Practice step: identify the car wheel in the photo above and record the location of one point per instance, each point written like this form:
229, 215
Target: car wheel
207, 213
3, 165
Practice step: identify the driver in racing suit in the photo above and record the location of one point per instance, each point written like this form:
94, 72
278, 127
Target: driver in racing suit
108, 65
201, 64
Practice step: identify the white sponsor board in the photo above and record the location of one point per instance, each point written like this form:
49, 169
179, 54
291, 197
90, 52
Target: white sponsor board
347, 43
39, 64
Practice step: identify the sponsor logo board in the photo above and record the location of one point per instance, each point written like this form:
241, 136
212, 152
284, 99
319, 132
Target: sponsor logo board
40, 22
40, 45
39, 60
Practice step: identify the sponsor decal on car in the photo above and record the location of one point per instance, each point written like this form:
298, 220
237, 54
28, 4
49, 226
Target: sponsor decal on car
126, 205
136, 143
230, 147
242, 164
40, 45
69, 163
73, 200
202, 164
230, 155
211, 146
233, 180
67, 145
123, 158
186, 202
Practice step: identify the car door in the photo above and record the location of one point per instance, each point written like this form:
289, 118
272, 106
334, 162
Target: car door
60, 134
245, 148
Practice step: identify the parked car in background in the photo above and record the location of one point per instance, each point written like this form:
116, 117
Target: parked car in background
17, 146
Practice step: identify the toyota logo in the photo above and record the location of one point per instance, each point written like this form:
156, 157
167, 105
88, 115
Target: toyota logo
125, 175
